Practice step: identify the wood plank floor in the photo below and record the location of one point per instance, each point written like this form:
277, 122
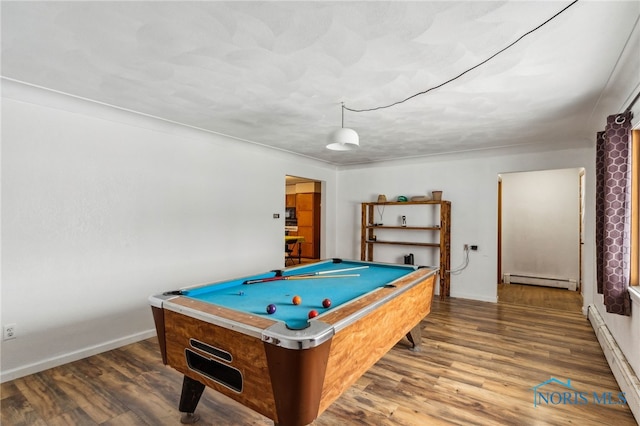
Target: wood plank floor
529, 295
542, 297
478, 365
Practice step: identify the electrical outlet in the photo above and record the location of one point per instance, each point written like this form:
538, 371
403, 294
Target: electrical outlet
474, 248
9, 332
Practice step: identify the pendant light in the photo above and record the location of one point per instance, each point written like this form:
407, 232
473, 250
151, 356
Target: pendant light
343, 139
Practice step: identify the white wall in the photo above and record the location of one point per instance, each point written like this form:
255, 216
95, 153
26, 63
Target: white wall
470, 182
102, 208
541, 224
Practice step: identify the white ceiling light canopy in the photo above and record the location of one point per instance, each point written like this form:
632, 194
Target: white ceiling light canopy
343, 139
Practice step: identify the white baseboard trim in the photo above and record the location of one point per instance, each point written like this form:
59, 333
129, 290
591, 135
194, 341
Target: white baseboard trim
622, 371
567, 283
25, 370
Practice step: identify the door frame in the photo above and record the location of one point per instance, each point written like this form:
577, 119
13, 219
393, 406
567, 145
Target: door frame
581, 176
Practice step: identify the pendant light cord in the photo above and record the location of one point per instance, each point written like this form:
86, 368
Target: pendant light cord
464, 72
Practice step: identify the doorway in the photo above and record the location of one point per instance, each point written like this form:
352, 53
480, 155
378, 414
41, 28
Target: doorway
540, 218
303, 220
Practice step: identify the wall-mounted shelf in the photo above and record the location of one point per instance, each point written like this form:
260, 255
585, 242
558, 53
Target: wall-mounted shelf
368, 240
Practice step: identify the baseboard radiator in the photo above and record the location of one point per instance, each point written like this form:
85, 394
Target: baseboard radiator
623, 372
543, 281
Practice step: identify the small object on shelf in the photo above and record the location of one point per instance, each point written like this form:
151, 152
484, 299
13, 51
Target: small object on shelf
402, 199
437, 195
421, 198
403, 220
382, 198
408, 259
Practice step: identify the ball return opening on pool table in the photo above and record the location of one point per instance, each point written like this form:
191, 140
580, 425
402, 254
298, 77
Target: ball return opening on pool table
254, 341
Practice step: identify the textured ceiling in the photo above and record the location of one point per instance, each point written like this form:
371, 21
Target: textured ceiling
275, 73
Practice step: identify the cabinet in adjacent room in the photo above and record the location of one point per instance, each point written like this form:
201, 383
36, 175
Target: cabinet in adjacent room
308, 216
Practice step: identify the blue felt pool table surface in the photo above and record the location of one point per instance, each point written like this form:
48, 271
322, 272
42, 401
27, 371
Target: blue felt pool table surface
254, 298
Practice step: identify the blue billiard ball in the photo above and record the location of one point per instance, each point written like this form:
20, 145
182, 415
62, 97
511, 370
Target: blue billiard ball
271, 309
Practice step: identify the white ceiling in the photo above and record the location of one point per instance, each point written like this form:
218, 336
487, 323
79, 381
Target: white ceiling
275, 73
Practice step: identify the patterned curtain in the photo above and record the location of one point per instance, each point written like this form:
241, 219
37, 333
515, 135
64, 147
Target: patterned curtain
599, 210
613, 213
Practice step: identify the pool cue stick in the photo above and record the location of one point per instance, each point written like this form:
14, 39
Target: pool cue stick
340, 270
311, 274
265, 280
296, 277
286, 277
319, 277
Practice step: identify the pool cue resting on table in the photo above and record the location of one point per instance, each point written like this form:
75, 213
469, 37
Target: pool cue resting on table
311, 277
308, 276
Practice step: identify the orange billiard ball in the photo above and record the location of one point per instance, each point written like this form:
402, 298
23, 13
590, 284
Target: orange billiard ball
326, 303
296, 300
313, 313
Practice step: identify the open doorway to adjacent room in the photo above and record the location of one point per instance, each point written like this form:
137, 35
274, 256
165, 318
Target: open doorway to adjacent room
303, 218
540, 238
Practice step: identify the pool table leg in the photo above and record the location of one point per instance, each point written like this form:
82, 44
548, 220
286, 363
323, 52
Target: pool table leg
191, 393
415, 337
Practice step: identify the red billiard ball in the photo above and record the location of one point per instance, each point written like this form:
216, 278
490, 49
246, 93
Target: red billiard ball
326, 303
296, 300
313, 313
271, 309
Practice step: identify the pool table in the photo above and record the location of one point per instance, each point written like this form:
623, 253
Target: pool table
283, 364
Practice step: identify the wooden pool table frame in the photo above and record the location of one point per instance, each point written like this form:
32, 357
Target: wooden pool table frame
289, 377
